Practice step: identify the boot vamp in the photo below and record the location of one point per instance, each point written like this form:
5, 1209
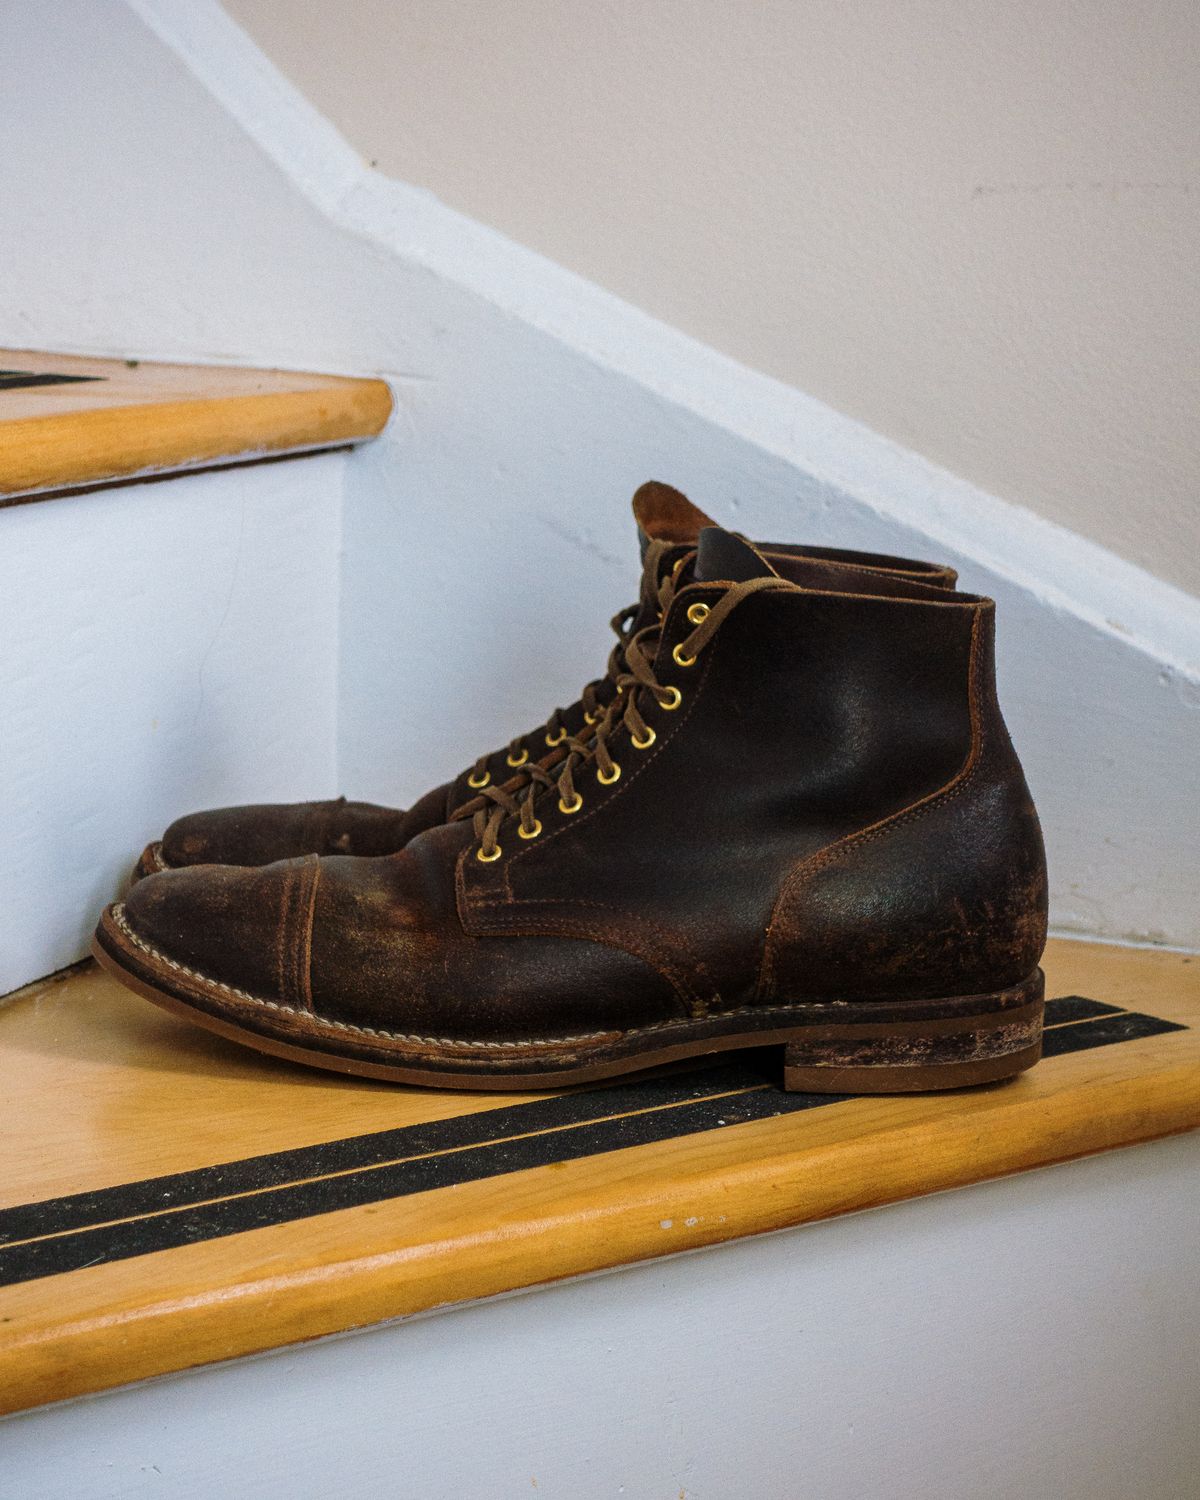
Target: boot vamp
388, 951
378, 943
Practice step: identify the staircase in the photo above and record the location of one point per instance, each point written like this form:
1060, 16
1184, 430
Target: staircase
170, 614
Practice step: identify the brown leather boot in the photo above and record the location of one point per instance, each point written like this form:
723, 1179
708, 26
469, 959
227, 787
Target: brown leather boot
668, 525
799, 822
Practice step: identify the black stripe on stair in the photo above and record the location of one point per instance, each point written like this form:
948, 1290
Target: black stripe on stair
161, 1213
17, 380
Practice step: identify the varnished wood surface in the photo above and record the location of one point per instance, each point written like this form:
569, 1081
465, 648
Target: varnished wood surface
101, 1089
127, 420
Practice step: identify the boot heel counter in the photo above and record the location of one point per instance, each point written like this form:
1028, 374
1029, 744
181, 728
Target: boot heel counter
949, 900
948, 896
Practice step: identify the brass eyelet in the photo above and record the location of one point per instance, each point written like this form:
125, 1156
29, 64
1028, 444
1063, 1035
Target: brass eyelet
679, 659
570, 807
672, 701
647, 742
476, 781
533, 832
517, 760
698, 613
589, 718
486, 859
614, 775
679, 562
556, 738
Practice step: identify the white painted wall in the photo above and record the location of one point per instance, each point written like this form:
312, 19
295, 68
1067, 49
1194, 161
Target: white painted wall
974, 225
486, 537
1037, 1337
165, 646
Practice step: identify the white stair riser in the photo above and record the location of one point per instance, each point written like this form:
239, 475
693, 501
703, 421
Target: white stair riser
166, 646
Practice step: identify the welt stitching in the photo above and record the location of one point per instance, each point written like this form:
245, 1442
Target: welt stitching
953, 788
118, 917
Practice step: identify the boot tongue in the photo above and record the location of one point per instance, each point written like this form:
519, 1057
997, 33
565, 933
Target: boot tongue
664, 514
724, 557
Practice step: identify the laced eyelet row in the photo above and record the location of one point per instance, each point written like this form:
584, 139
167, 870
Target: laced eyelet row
623, 711
669, 702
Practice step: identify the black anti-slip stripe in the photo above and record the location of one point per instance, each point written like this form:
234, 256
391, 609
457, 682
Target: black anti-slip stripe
1077, 1008
1125, 1026
210, 1221
251, 1174
15, 380
277, 1168
189, 1207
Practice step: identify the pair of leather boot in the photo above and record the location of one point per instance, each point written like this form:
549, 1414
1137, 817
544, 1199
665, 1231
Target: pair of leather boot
788, 814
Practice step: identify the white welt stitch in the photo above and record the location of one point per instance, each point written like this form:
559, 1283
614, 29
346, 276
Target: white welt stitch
118, 916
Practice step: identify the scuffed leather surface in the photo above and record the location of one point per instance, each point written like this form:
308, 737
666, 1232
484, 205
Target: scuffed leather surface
834, 811
809, 717
246, 927
257, 834
378, 943
945, 897
388, 950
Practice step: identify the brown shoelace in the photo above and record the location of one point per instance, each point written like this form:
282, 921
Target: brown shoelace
623, 712
597, 694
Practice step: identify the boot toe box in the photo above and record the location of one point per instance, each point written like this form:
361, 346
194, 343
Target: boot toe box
226, 928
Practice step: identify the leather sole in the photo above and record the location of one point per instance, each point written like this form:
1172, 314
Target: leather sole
829, 1048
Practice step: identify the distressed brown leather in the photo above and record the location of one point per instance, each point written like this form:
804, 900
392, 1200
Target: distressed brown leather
261, 833
833, 813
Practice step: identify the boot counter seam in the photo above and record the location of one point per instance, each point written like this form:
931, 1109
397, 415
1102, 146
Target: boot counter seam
823, 858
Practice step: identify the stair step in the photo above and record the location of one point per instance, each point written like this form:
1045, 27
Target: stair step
171, 1199
167, 645
68, 422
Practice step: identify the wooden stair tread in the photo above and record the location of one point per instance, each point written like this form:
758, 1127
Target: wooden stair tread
170, 1199
67, 422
